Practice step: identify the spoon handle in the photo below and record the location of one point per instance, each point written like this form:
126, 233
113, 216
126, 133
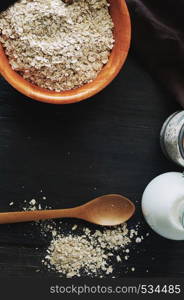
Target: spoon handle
27, 216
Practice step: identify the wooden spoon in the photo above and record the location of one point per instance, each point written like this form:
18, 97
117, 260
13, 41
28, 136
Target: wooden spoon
107, 210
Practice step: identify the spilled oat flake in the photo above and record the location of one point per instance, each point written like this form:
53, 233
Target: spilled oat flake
89, 252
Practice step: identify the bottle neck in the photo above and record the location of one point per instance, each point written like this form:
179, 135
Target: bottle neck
178, 213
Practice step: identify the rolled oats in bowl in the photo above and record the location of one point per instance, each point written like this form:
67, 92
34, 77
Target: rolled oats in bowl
56, 45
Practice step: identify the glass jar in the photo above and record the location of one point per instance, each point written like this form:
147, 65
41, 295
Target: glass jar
172, 137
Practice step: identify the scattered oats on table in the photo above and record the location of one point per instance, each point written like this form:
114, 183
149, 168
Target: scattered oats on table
55, 45
90, 252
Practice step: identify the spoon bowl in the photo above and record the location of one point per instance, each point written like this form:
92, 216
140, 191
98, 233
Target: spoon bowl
107, 210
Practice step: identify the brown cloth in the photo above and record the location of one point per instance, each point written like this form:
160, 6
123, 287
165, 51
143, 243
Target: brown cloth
158, 40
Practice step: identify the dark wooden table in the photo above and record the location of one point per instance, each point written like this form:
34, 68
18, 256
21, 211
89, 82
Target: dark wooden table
107, 144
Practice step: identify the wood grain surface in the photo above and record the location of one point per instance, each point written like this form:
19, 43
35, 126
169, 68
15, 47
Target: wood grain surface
108, 144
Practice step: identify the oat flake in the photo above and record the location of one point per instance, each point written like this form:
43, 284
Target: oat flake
90, 253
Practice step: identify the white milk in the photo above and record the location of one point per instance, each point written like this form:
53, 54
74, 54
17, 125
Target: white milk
163, 205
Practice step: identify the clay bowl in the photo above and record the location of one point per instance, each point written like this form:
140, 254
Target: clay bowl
122, 35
